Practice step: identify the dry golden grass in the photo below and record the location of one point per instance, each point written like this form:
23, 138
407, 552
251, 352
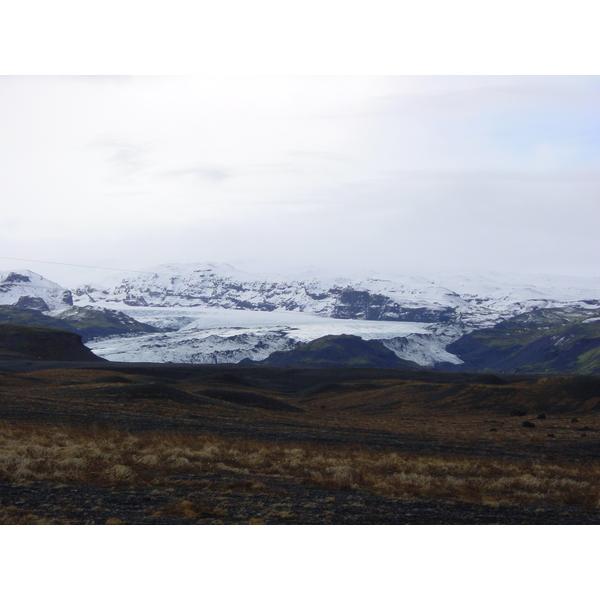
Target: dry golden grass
111, 458
189, 509
11, 515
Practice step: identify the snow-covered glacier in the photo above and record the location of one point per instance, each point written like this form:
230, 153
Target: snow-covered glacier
217, 335
213, 313
472, 301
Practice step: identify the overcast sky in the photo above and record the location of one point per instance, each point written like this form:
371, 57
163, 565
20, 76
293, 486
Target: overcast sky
394, 174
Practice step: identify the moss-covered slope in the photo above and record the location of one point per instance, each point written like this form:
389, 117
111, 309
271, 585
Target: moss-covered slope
340, 351
87, 322
33, 318
542, 341
94, 323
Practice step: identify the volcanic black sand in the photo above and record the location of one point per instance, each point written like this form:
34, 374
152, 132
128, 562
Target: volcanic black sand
421, 414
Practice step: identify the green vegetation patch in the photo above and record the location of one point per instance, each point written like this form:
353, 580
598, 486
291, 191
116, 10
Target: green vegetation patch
89, 323
541, 341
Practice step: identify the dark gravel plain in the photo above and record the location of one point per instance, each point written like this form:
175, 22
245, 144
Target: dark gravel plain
234, 502
271, 404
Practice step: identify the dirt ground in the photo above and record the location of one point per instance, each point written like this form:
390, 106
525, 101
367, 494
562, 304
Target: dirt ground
511, 423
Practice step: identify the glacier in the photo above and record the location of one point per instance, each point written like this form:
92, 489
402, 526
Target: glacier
217, 335
214, 312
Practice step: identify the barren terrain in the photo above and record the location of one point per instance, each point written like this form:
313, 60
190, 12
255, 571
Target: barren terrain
184, 444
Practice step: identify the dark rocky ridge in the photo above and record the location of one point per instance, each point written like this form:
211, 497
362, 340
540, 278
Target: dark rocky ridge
353, 304
86, 322
21, 342
93, 323
339, 351
32, 303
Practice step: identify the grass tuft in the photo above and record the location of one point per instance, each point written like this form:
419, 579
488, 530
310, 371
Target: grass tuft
100, 457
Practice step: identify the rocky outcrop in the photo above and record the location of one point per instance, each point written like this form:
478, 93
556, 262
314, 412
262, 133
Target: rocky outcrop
339, 351
32, 303
354, 304
94, 323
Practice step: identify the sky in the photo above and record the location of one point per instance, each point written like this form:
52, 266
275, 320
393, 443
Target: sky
395, 174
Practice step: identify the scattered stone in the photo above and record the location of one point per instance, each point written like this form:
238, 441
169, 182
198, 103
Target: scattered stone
518, 412
551, 435
493, 429
541, 416
574, 420
528, 424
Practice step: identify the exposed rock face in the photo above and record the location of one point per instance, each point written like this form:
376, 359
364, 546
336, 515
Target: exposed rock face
337, 302
67, 297
32, 303
17, 278
353, 304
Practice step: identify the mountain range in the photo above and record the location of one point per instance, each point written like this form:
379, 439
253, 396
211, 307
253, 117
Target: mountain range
214, 313
465, 300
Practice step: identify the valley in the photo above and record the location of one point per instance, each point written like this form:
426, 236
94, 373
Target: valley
212, 397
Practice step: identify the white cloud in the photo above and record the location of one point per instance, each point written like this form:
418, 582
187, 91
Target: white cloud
392, 173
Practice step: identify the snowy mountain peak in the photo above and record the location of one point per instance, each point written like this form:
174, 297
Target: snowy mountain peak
27, 289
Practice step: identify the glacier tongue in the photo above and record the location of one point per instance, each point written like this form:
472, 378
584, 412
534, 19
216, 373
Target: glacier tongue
426, 349
180, 347
225, 336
